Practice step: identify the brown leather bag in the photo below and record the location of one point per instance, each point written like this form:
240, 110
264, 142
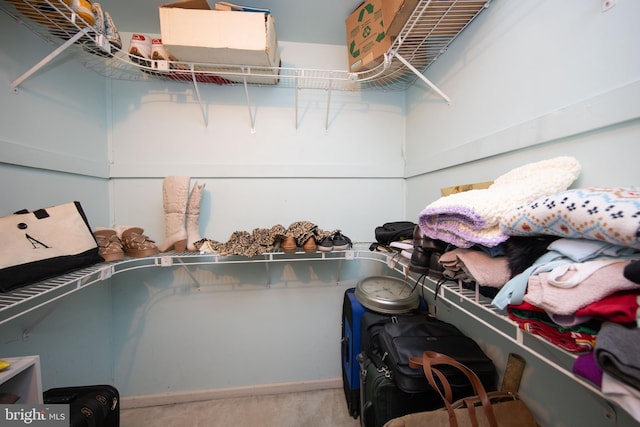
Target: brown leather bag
494, 409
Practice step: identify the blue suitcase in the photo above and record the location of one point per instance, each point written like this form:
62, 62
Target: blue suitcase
352, 312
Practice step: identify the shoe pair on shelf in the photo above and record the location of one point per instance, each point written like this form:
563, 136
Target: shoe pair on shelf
334, 242
289, 245
104, 25
425, 257
114, 244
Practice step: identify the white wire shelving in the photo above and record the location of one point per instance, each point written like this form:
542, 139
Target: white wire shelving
429, 31
426, 35
33, 297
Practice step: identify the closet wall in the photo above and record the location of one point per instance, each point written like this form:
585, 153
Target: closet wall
528, 80
53, 130
333, 159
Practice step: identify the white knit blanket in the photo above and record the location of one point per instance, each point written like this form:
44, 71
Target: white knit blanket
473, 217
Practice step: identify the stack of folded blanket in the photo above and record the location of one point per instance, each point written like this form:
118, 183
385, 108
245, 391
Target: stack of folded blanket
565, 265
473, 217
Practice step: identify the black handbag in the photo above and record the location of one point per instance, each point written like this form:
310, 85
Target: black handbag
394, 232
401, 341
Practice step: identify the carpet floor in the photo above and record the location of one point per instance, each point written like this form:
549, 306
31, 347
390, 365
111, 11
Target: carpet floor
319, 408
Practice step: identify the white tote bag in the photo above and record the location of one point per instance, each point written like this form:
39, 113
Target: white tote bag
44, 243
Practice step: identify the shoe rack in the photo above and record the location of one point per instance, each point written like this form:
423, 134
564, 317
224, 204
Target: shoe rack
29, 298
426, 35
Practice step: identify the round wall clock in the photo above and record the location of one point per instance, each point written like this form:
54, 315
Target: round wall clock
386, 294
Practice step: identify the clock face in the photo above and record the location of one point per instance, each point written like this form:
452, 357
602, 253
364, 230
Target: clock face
386, 294
383, 287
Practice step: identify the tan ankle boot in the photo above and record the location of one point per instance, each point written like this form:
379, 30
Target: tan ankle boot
135, 243
175, 195
193, 217
109, 245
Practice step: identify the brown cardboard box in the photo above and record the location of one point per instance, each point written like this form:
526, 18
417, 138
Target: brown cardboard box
401, 16
192, 32
446, 191
371, 29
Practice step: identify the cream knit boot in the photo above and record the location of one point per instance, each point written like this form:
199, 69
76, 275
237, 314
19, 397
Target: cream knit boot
175, 195
193, 217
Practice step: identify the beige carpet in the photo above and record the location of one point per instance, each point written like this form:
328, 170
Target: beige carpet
321, 408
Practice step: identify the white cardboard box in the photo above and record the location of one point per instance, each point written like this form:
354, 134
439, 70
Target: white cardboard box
192, 32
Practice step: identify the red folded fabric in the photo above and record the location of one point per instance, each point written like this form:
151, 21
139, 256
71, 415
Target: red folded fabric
621, 307
578, 339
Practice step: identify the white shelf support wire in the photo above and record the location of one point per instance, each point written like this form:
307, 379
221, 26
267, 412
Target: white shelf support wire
420, 75
266, 264
17, 82
414, 20
189, 273
252, 116
205, 114
299, 74
326, 118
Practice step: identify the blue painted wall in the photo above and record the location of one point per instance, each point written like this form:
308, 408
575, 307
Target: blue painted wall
528, 80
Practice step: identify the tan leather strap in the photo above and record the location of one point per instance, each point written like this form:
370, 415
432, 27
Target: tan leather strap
430, 358
415, 362
471, 408
428, 370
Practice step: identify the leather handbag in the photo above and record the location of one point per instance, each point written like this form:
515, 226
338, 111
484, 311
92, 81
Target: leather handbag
44, 243
494, 409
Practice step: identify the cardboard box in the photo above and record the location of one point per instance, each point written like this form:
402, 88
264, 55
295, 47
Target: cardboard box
446, 191
192, 32
402, 14
371, 29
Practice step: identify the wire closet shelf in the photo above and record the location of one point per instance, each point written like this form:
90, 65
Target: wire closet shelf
27, 299
427, 34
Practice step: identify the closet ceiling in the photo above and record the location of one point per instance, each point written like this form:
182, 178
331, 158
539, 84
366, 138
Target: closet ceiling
302, 21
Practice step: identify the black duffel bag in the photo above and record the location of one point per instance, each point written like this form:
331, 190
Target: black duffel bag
399, 341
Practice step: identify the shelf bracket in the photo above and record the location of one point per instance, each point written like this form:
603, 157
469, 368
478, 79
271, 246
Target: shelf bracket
420, 75
17, 82
297, 89
189, 273
268, 272
205, 115
326, 118
252, 117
